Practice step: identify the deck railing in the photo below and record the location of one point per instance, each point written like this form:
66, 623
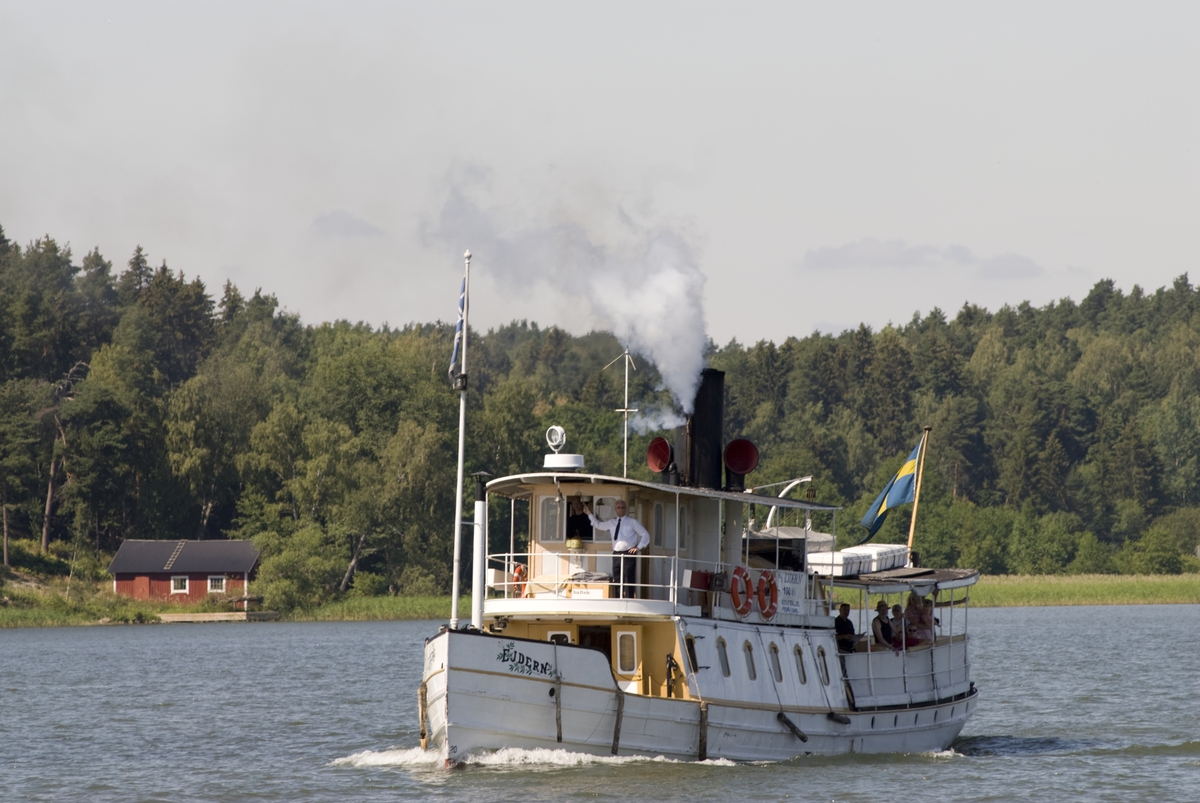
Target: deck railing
580, 574
885, 677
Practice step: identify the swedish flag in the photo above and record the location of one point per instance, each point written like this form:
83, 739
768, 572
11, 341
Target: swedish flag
900, 490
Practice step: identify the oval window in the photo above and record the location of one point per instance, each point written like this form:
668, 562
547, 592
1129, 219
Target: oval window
822, 666
750, 661
800, 666
773, 657
723, 657
626, 653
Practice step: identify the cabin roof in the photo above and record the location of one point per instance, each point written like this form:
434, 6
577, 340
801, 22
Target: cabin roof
154, 557
918, 579
520, 486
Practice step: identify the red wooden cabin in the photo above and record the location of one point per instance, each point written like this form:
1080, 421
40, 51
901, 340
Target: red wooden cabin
183, 571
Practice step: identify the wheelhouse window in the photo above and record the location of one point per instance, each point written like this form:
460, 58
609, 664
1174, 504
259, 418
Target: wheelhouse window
822, 666
723, 657
604, 508
627, 653
550, 519
800, 666
216, 584
773, 660
179, 584
684, 528
658, 524
749, 651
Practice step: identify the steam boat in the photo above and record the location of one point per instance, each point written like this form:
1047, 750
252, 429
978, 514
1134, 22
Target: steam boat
721, 644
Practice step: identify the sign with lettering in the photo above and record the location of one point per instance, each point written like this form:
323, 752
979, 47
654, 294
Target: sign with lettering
791, 592
521, 664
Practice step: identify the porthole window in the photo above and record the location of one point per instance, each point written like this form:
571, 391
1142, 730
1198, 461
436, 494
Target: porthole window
746, 648
773, 657
822, 666
799, 653
723, 657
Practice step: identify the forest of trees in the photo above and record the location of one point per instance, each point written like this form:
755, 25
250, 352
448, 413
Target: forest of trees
134, 404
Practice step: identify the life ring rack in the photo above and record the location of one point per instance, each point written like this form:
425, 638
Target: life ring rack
741, 591
768, 594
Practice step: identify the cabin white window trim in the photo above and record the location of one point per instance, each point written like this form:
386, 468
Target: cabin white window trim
551, 524
751, 670
179, 584
659, 528
689, 643
566, 634
773, 661
723, 657
800, 670
216, 584
627, 652
822, 666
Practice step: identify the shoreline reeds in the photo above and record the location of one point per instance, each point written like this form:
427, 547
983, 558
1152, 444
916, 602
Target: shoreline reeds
48, 607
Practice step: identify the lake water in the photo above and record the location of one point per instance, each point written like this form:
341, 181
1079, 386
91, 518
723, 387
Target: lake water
1095, 704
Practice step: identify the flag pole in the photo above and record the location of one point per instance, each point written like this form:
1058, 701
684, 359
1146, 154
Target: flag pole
460, 384
912, 526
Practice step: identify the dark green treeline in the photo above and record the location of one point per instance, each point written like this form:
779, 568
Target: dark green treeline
134, 404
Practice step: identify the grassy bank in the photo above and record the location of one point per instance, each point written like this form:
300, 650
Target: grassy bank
50, 605
371, 609
23, 605
1015, 591
1008, 591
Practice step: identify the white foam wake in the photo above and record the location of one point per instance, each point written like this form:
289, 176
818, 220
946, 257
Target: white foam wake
949, 752
505, 757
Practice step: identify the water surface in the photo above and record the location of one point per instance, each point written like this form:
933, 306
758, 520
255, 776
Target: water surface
1097, 704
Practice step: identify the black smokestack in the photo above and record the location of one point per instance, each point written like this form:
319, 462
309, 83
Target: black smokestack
704, 430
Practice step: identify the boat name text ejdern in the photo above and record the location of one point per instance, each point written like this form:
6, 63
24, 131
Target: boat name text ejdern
522, 664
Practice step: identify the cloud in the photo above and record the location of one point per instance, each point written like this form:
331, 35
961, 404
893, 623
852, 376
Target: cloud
1009, 266
873, 254
340, 223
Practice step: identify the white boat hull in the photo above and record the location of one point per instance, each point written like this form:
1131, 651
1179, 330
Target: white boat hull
484, 692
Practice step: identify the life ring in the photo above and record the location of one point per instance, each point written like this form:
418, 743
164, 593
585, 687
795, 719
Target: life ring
519, 579
768, 594
740, 591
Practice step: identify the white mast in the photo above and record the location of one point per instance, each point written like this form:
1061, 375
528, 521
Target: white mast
460, 384
626, 409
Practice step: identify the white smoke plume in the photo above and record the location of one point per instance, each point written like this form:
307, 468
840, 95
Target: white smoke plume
643, 285
652, 420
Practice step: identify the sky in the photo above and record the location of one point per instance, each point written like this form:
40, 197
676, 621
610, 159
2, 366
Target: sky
668, 171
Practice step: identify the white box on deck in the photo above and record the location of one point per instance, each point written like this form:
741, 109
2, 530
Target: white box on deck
837, 564
881, 557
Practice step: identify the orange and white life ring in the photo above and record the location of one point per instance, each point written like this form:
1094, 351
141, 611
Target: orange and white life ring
768, 594
519, 580
740, 591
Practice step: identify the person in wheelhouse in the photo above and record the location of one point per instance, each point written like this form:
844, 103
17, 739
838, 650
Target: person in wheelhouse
628, 536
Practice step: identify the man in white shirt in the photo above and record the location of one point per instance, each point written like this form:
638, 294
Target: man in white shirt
628, 537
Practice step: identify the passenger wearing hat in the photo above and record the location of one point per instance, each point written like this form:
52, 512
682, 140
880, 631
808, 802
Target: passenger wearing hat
881, 628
